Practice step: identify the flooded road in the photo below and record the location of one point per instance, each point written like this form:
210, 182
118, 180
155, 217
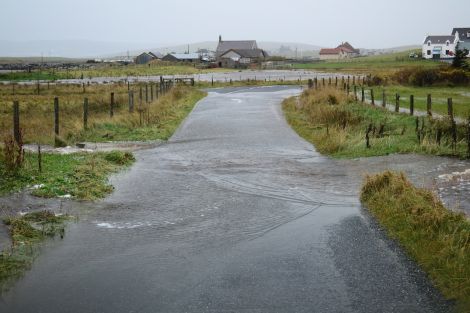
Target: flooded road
235, 214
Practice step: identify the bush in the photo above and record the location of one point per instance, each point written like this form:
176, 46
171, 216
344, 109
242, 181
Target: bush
119, 157
421, 77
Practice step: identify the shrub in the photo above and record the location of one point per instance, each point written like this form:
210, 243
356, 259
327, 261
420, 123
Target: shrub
12, 154
427, 77
119, 157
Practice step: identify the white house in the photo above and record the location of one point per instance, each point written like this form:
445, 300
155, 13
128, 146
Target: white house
440, 47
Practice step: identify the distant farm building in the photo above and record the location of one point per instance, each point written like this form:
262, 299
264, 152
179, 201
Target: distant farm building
238, 53
146, 57
343, 51
182, 57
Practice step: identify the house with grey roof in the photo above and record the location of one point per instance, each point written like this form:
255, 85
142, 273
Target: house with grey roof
464, 38
182, 57
440, 47
146, 57
242, 58
238, 53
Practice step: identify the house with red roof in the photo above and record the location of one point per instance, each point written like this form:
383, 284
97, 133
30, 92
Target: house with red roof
343, 51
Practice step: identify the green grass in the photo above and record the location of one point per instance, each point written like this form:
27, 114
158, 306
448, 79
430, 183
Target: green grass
82, 176
368, 64
26, 233
438, 239
162, 120
111, 70
23, 76
459, 95
339, 130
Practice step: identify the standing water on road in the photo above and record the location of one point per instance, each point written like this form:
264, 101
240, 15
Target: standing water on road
236, 213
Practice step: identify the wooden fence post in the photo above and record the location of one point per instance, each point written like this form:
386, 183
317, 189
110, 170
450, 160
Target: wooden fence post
355, 93
397, 102
151, 93
111, 107
412, 105
131, 101
450, 108
310, 83
16, 121
363, 94
329, 81
468, 138
56, 116
146, 93
372, 98
161, 85
323, 81
429, 105
336, 81
85, 113
354, 80
384, 99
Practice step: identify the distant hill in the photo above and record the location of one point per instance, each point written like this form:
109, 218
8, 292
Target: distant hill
95, 49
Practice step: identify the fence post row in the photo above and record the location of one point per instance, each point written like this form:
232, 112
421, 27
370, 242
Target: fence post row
397, 102
131, 101
384, 99
412, 105
56, 116
111, 107
450, 109
429, 104
372, 96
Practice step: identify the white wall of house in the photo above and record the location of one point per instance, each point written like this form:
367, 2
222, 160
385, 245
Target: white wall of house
329, 57
444, 50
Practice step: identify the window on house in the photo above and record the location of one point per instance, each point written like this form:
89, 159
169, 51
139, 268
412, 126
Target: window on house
447, 52
429, 52
447, 43
429, 43
468, 35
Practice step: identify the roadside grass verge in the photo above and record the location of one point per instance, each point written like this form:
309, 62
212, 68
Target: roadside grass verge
437, 238
156, 119
26, 233
337, 126
81, 176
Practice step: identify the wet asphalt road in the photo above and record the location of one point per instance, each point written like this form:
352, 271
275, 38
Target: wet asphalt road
235, 214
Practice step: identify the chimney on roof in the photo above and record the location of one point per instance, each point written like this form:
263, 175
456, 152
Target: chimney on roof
220, 38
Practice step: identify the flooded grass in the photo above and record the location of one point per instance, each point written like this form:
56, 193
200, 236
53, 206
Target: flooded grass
438, 239
337, 126
26, 233
80, 176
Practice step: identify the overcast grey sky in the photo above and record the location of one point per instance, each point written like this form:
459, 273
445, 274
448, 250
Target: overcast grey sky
365, 23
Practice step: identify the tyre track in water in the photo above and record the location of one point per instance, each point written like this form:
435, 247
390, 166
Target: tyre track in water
236, 213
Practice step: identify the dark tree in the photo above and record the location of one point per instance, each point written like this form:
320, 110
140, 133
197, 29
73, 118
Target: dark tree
460, 59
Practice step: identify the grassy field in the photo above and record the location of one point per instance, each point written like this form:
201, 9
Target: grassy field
381, 64
460, 97
154, 120
438, 239
110, 70
337, 126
